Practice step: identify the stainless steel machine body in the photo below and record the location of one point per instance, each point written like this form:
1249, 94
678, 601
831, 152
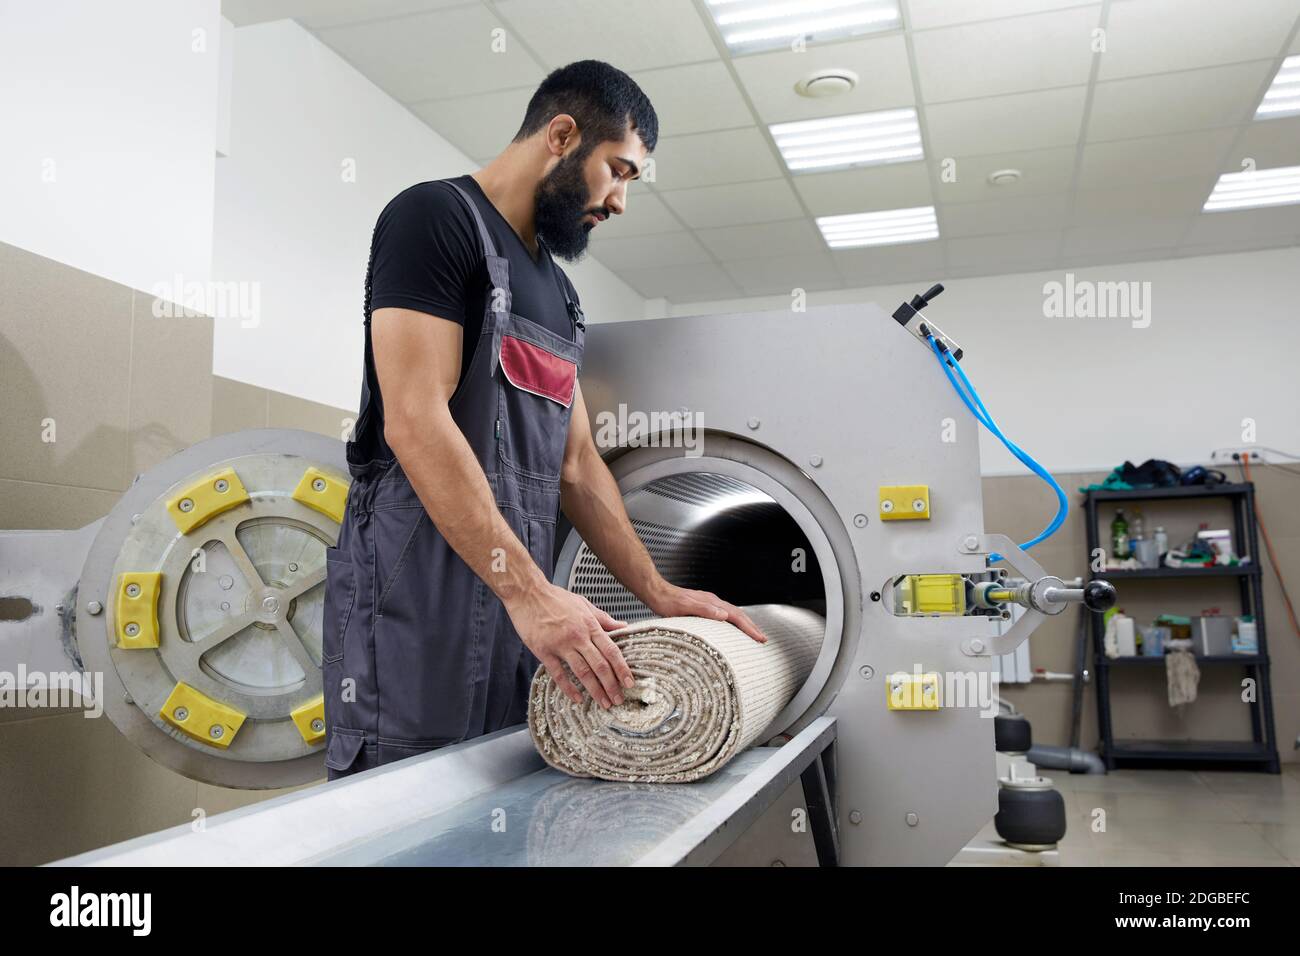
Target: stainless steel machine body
818, 411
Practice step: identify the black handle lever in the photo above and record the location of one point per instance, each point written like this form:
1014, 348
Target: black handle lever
919, 302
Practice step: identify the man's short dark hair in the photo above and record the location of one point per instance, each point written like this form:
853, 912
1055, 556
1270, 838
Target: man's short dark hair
603, 99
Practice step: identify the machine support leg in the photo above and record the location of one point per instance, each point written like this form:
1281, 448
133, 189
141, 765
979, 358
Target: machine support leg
821, 809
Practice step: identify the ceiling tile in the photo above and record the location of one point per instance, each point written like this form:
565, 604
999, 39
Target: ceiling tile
732, 205
1042, 171
1269, 143
783, 274
316, 14
1020, 251
1008, 214
895, 186
1146, 234
676, 93
1001, 124
479, 124
706, 159
395, 54
630, 33
1280, 222
926, 14
884, 78
682, 283
1014, 55
1174, 102
911, 262
1174, 199
791, 237
1153, 158
1156, 36
644, 214
648, 252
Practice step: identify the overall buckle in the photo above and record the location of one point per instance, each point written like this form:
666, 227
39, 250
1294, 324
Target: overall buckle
577, 316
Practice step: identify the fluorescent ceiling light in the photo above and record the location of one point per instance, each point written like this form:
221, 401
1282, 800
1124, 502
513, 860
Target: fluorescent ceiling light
838, 142
751, 25
1263, 187
887, 228
1283, 96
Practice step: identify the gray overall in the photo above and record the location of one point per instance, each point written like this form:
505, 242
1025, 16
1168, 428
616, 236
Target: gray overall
418, 652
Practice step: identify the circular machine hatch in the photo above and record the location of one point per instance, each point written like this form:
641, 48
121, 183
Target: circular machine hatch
745, 523
200, 603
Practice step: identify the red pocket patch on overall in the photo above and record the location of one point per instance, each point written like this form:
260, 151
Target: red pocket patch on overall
533, 369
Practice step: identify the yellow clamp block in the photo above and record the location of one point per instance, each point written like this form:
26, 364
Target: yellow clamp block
322, 491
197, 715
913, 691
206, 499
135, 612
310, 719
904, 502
933, 594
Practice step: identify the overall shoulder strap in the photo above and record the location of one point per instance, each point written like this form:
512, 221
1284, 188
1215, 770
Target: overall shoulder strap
489, 248
498, 266
499, 298
571, 302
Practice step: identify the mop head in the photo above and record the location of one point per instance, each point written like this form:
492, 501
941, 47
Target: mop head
704, 692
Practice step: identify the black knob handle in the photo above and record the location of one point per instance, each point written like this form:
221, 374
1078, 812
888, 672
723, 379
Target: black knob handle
919, 302
1099, 595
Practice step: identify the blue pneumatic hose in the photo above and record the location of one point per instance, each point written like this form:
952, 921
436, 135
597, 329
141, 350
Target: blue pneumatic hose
976, 407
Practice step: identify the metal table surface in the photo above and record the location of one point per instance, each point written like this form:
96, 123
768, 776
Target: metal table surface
490, 802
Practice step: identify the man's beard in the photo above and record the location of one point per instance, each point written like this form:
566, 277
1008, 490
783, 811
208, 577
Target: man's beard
560, 208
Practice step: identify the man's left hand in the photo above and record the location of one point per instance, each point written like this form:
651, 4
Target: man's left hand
672, 601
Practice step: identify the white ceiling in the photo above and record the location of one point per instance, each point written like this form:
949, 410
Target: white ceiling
1118, 150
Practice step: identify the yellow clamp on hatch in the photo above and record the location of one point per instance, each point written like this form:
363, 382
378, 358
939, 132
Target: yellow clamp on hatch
904, 502
206, 499
135, 612
322, 491
310, 719
932, 594
199, 716
913, 691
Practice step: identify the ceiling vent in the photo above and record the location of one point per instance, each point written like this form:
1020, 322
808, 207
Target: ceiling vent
824, 83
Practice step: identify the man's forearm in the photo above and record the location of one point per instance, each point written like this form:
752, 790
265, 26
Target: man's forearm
451, 485
591, 500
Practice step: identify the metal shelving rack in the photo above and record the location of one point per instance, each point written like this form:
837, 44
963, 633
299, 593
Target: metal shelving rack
1259, 752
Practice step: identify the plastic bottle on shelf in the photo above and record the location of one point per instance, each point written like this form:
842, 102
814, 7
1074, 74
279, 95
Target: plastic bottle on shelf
1162, 541
1119, 540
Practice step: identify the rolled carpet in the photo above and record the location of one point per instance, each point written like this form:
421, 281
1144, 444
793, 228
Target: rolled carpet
704, 692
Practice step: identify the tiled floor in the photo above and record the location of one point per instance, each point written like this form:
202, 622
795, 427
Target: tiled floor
1179, 818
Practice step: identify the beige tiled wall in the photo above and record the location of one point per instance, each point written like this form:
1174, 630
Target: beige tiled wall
125, 390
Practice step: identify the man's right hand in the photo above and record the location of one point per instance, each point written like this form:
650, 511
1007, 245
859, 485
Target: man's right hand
561, 627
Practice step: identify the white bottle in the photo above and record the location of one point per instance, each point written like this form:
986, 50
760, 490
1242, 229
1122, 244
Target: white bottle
1162, 542
1125, 636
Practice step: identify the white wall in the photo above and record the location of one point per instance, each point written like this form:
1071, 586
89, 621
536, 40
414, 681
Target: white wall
1081, 394
107, 134
289, 220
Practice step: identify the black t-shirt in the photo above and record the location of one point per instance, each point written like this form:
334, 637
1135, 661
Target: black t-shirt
427, 256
